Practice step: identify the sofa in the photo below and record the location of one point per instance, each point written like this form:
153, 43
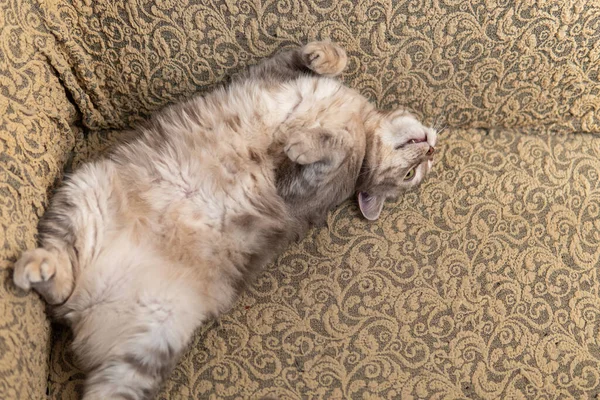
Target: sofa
482, 283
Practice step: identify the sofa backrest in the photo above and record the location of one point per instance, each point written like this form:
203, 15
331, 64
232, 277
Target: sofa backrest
471, 63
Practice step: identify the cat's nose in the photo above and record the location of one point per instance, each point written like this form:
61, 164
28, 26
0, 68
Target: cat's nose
431, 150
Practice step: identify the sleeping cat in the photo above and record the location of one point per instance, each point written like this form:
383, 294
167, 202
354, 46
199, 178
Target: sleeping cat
138, 249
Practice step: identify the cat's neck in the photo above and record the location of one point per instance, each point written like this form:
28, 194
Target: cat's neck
372, 122
373, 119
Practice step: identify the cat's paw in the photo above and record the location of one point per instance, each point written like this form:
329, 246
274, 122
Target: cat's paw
325, 58
34, 267
302, 152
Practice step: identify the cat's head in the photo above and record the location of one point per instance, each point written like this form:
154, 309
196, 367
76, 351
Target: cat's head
399, 155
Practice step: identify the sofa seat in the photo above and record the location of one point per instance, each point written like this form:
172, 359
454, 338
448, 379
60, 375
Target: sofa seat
480, 284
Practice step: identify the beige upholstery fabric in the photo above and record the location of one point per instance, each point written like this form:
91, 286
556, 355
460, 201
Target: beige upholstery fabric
36, 137
478, 63
481, 284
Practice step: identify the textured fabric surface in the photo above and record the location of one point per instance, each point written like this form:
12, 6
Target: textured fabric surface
35, 142
478, 63
481, 284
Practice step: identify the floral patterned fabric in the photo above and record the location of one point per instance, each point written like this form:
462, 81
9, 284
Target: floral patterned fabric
481, 284
36, 137
478, 63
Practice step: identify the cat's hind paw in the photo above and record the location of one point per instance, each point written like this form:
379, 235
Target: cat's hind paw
325, 58
34, 267
48, 272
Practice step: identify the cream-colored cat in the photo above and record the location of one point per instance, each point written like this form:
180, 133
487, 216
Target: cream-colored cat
138, 249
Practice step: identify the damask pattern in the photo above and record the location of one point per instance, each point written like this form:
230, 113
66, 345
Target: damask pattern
36, 137
481, 284
478, 63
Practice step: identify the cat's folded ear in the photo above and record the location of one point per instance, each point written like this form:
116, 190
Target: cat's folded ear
370, 206
399, 113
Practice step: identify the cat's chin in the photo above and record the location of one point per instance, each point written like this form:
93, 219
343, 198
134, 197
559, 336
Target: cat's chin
370, 206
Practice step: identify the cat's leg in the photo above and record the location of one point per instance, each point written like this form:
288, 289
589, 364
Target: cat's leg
48, 271
313, 160
129, 347
321, 58
69, 232
130, 376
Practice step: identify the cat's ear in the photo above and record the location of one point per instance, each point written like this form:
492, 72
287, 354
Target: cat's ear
370, 206
399, 113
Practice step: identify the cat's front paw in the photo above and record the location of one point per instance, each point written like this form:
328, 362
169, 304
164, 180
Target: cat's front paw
34, 267
302, 152
318, 145
325, 58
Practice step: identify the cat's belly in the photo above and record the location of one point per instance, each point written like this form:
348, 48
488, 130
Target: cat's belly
188, 233
224, 213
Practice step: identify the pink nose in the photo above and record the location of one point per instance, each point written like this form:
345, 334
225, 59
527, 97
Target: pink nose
431, 150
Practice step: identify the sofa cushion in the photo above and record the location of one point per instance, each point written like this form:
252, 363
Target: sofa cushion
506, 210
483, 283
36, 137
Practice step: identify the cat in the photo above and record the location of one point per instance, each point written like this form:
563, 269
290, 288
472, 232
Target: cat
141, 247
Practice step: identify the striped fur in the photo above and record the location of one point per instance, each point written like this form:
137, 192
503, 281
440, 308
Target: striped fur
138, 249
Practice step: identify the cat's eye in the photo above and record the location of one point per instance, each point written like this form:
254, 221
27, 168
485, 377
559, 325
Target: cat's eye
410, 175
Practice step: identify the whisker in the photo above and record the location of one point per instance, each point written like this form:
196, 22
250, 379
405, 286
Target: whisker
435, 122
440, 123
366, 170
